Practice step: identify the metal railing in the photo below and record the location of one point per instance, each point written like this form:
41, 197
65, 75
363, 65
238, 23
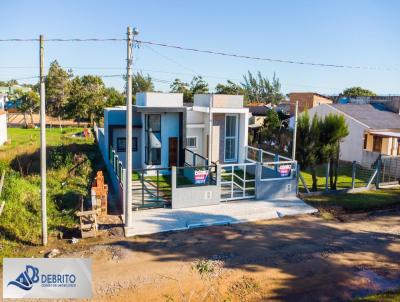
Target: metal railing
193, 159
238, 181
253, 154
151, 188
116, 164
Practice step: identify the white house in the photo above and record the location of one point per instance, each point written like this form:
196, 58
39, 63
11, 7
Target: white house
214, 128
373, 129
3, 127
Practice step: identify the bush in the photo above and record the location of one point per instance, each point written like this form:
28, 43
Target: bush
60, 158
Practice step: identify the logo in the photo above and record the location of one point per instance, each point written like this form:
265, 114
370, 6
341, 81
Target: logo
47, 278
26, 279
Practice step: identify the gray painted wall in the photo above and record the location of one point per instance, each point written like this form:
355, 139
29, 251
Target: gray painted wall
351, 148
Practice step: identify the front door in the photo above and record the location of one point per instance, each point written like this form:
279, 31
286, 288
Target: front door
173, 151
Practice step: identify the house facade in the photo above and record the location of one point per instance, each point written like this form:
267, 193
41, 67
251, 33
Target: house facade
373, 129
215, 127
3, 127
306, 101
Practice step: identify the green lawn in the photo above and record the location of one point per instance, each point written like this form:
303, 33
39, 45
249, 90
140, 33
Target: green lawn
357, 202
384, 297
20, 224
344, 177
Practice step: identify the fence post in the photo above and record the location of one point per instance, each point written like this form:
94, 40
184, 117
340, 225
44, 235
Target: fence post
125, 208
260, 156
327, 178
297, 177
378, 171
258, 175
276, 159
173, 184
353, 175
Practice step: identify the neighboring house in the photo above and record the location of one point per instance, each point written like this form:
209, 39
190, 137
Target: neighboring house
307, 100
163, 127
3, 127
257, 116
373, 130
3, 101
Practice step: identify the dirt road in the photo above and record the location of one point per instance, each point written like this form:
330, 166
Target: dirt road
290, 259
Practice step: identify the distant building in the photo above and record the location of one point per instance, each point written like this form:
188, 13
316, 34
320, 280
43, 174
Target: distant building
373, 129
11, 89
307, 100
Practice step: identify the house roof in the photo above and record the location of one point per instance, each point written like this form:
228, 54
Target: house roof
313, 93
375, 116
258, 110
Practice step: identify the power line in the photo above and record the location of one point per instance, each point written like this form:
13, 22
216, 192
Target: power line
220, 53
263, 58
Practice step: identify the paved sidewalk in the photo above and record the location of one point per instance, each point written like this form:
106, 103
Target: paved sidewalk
164, 220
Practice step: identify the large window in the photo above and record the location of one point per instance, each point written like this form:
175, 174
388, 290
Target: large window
153, 139
231, 140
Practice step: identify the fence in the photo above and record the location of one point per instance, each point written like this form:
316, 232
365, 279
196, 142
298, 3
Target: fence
238, 181
192, 159
349, 175
116, 165
151, 188
390, 169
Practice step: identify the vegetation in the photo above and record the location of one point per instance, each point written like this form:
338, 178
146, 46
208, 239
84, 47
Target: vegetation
260, 89
354, 92
196, 86
319, 142
72, 162
27, 102
357, 202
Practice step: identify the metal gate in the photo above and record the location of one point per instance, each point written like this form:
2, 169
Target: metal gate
238, 181
390, 169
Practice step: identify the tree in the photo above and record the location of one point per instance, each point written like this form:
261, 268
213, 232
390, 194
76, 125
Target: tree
333, 130
354, 92
87, 98
57, 90
9, 83
27, 103
180, 87
141, 83
260, 89
197, 86
308, 145
114, 97
229, 88
271, 125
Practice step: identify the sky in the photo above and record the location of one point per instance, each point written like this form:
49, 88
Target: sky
344, 32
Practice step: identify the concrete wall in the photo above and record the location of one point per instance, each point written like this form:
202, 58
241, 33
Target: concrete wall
159, 99
276, 188
194, 196
307, 100
3, 128
218, 100
351, 148
194, 117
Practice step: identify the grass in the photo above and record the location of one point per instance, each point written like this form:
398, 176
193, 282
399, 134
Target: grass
383, 297
357, 202
20, 223
344, 180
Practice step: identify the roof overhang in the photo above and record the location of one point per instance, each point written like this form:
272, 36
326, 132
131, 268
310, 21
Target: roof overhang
158, 109
385, 133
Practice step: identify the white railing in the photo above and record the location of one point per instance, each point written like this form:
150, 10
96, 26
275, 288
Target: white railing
230, 178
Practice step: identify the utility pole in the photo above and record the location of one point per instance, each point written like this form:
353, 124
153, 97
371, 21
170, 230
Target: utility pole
43, 143
128, 144
295, 131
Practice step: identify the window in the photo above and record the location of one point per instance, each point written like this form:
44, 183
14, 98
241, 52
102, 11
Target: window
153, 139
191, 142
365, 141
121, 144
231, 131
377, 145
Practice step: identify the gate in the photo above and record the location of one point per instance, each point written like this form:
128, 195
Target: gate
390, 169
238, 181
